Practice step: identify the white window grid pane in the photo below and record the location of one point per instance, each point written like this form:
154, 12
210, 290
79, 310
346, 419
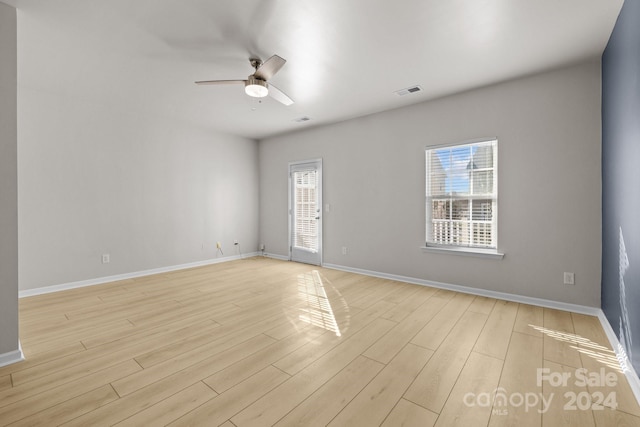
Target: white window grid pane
462, 195
306, 225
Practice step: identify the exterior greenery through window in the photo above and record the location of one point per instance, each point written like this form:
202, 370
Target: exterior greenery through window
462, 195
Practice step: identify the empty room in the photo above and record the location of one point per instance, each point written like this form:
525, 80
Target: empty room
319, 213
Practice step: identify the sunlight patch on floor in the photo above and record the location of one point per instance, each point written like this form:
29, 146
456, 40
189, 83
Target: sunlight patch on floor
317, 308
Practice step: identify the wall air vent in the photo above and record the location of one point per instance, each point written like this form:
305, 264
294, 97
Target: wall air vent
302, 119
409, 90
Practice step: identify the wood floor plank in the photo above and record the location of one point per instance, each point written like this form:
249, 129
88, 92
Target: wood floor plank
277, 403
76, 365
402, 292
608, 418
44, 323
19, 403
560, 344
171, 408
77, 331
232, 401
32, 360
71, 408
588, 329
408, 414
155, 392
382, 290
209, 335
204, 308
495, 336
52, 353
561, 411
432, 386
117, 311
5, 382
529, 320
93, 357
434, 333
408, 306
388, 346
286, 329
480, 375
43, 348
137, 334
307, 354
519, 378
222, 354
374, 403
482, 305
243, 369
323, 405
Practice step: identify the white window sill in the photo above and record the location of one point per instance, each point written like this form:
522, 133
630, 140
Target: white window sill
481, 253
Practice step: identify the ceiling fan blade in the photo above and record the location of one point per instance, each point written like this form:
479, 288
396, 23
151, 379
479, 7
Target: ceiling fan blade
220, 82
279, 95
270, 67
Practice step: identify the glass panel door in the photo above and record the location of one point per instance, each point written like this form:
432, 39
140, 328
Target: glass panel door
305, 210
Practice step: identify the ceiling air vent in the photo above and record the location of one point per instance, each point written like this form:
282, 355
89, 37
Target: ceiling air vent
407, 91
302, 119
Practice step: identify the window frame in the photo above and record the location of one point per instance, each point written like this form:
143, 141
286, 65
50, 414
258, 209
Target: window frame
472, 250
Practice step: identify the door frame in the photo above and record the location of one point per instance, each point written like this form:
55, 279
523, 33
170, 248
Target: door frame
318, 164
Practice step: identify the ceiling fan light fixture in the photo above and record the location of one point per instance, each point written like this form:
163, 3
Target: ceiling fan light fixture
256, 88
256, 84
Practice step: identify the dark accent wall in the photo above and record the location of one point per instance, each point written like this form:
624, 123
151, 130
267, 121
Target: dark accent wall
8, 186
621, 180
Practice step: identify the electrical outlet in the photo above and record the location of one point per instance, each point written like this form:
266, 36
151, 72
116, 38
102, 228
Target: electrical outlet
218, 245
235, 242
344, 250
569, 278
106, 258
262, 247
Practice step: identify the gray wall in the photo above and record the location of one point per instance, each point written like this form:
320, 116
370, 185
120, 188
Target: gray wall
548, 127
8, 183
620, 178
152, 191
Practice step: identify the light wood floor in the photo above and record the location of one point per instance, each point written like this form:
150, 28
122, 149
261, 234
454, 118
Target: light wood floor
260, 342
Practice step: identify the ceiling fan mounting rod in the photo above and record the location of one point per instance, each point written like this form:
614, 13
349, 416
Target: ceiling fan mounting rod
255, 63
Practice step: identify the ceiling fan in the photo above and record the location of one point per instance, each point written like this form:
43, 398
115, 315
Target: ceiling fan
256, 84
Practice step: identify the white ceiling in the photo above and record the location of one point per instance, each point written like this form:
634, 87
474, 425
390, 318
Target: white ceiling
345, 57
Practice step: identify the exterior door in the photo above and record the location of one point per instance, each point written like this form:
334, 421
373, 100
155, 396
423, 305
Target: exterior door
305, 219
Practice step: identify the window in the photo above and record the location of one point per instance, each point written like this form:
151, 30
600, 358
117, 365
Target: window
462, 195
306, 210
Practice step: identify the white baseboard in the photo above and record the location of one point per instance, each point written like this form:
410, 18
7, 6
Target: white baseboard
117, 277
625, 363
575, 308
12, 356
276, 256
629, 371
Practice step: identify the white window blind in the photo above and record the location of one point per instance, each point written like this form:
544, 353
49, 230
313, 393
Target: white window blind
306, 210
462, 195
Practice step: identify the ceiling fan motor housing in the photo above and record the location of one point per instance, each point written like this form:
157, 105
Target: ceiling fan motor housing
256, 87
